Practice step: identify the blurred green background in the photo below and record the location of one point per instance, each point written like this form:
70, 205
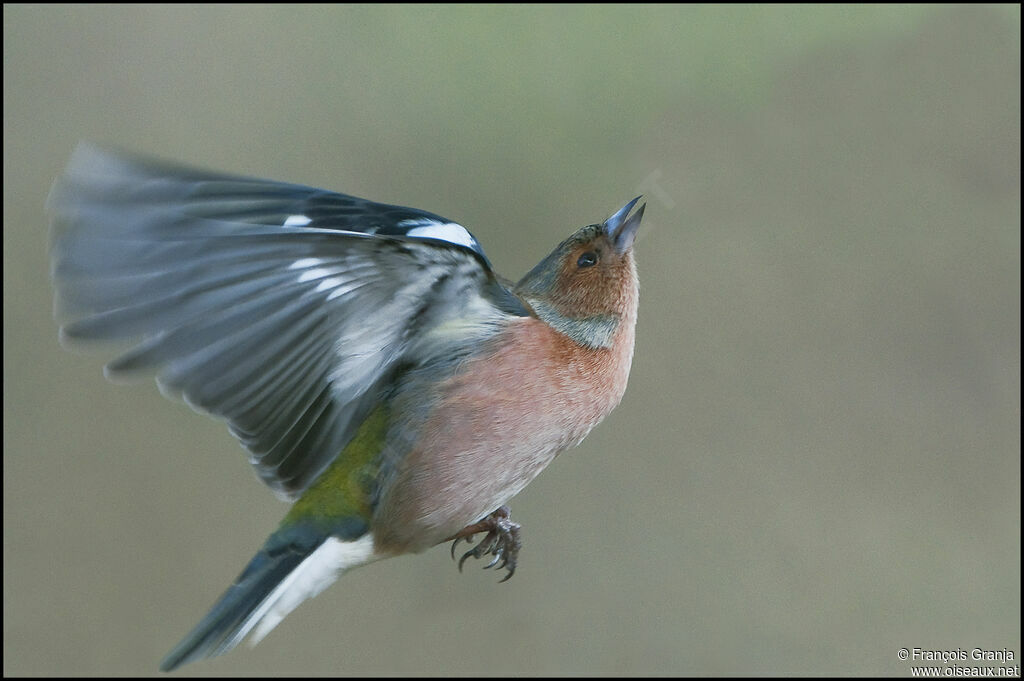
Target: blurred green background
817, 461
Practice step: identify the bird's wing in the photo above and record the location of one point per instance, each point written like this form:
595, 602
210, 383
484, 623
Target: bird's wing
281, 308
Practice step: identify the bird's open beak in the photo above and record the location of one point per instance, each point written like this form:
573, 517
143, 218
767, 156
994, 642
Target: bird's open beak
622, 231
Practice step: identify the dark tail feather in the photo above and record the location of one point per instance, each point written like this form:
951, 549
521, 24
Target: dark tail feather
236, 613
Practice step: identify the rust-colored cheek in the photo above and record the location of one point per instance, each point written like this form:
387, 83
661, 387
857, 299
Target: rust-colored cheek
598, 290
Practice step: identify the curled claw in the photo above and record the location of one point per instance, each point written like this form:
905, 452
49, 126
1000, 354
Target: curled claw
456, 543
501, 541
466, 556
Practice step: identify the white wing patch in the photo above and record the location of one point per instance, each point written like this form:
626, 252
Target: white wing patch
297, 221
331, 276
303, 263
451, 232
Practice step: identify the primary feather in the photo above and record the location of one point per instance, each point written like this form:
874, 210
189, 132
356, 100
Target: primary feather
278, 307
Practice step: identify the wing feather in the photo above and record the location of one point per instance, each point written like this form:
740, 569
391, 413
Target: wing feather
280, 308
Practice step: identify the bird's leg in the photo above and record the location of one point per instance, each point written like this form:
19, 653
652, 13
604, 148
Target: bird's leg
501, 541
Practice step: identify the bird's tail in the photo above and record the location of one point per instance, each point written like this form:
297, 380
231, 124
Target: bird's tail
296, 563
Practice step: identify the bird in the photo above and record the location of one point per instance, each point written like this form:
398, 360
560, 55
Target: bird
377, 371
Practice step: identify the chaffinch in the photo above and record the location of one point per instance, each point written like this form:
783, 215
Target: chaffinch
376, 369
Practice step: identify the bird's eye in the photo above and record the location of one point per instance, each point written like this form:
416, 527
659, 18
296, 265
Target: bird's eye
588, 259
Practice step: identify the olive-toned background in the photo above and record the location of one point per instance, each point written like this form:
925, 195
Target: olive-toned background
817, 461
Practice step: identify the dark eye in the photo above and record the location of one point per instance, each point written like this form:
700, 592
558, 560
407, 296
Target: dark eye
588, 259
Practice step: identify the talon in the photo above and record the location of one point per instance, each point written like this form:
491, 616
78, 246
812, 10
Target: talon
501, 541
465, 557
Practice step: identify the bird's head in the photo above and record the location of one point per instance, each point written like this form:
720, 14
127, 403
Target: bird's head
588, 284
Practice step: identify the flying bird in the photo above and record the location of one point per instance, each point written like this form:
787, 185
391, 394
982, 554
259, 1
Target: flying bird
377, 371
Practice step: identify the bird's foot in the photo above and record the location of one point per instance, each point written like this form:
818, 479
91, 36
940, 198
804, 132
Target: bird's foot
501, 541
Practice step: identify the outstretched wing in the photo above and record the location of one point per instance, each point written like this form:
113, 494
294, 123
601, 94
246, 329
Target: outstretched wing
283, 309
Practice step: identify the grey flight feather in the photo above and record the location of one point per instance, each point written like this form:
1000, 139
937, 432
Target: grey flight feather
281, 308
